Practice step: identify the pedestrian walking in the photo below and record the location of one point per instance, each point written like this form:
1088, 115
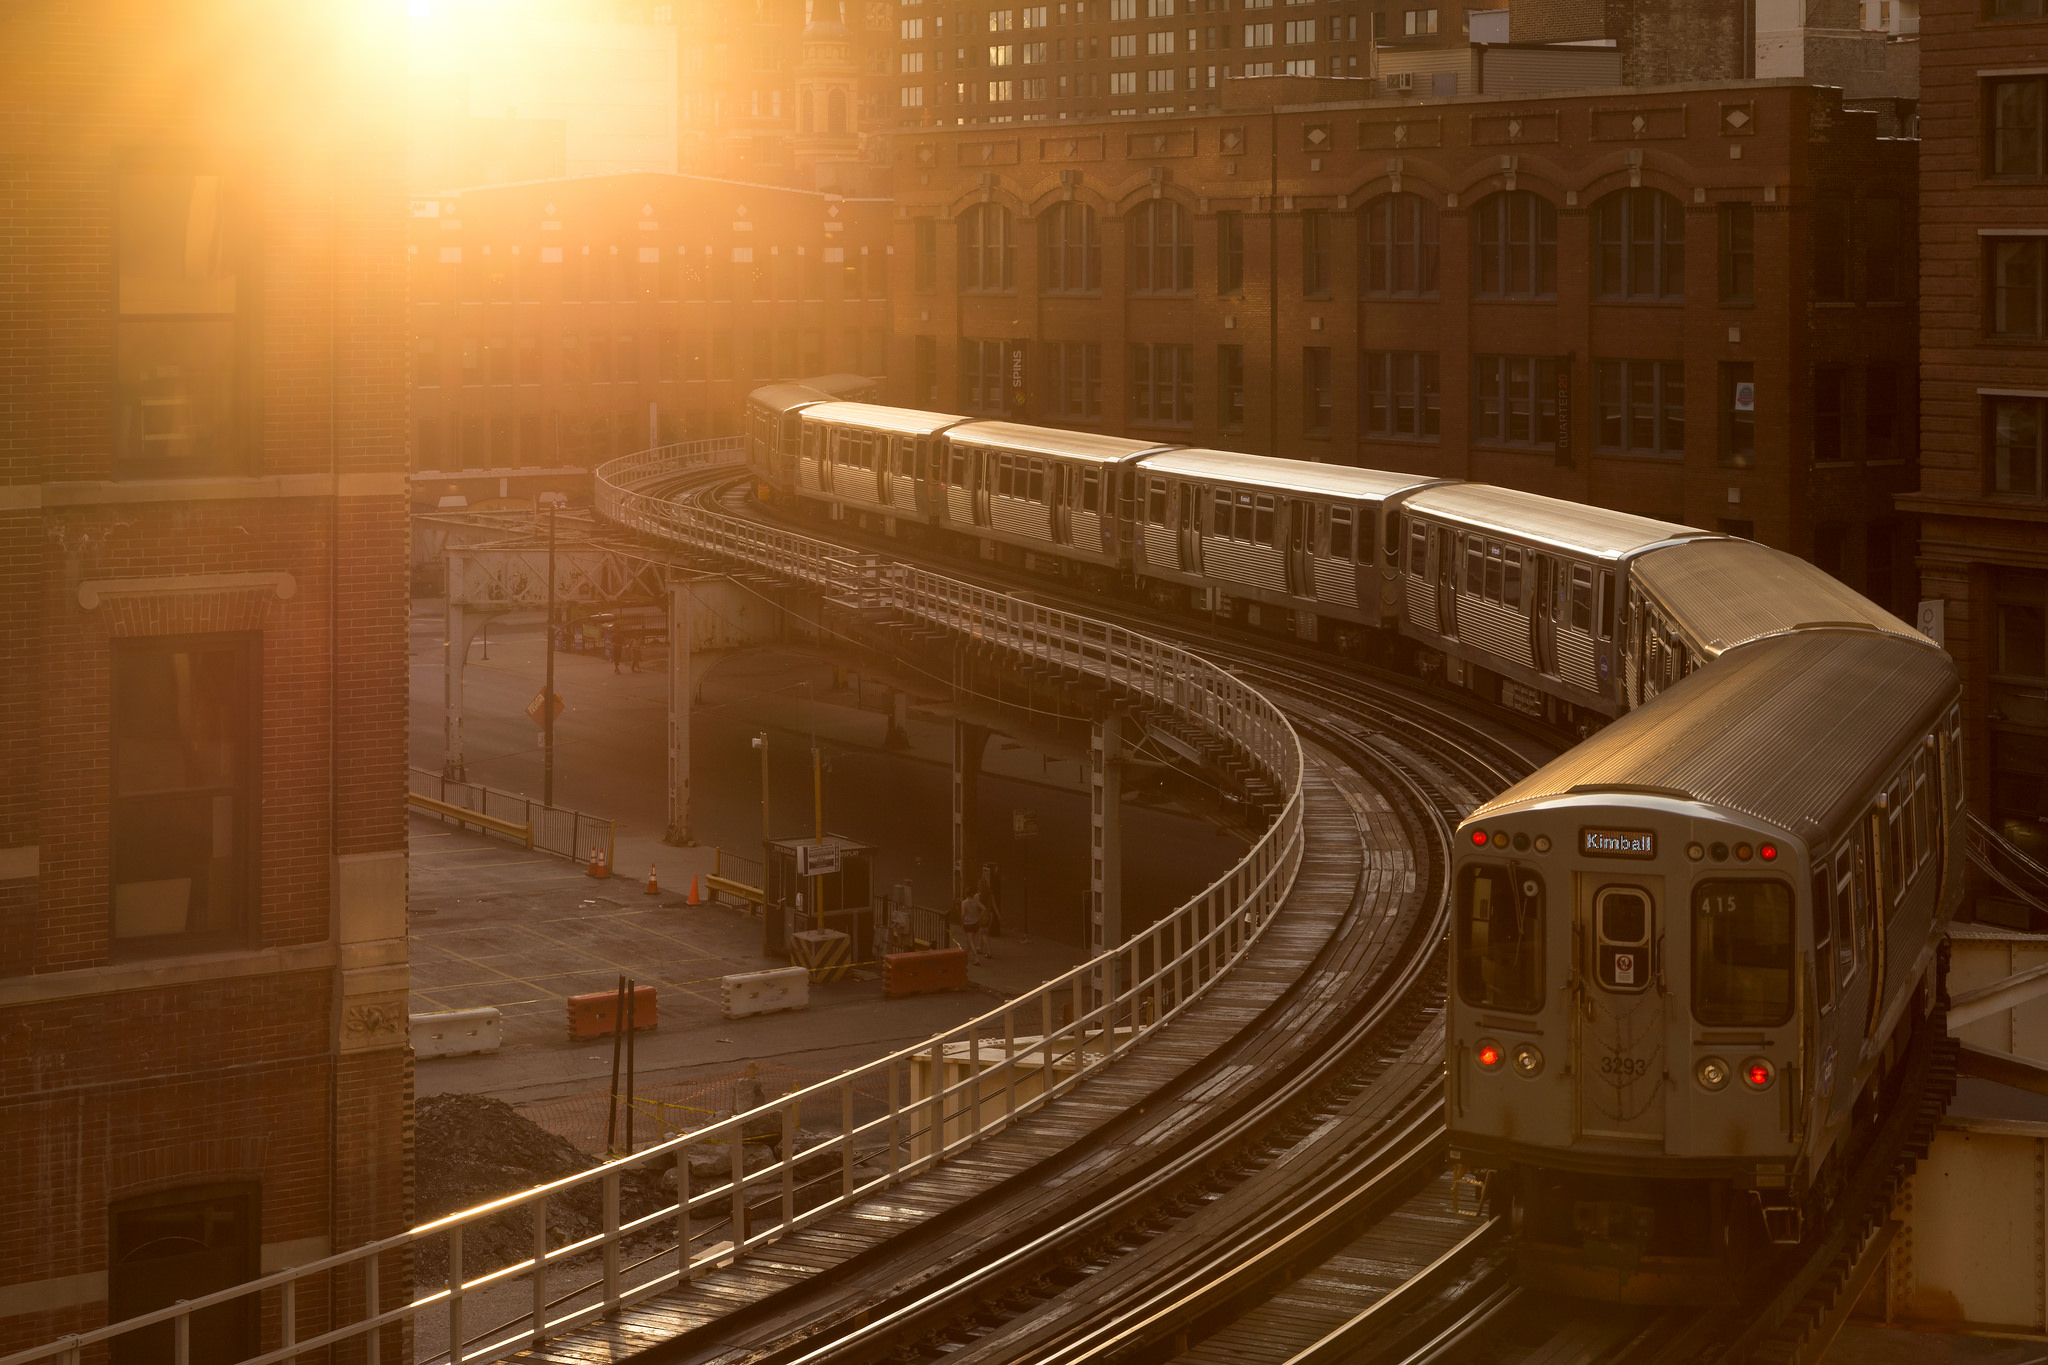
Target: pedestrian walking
991, 893
635, 647
611, 650
974, 923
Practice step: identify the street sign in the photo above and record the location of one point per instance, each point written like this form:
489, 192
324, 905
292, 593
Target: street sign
1023, 824
533, 712
815, 860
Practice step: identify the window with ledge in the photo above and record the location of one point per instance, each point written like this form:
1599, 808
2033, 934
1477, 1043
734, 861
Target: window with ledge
2014, 273
1400, 247
1317, 390
2013, 430
1070, 248
981, 376
988, 253
1829, 404
1230, 386
1881, 223
1073, 380
1514, 400
1399, 392
1162, 384
1638, 246
1640, 406
2015, 9
1515, 246
1162, 248
180, 1244
927, 254
1230, 252
1884, 388
2014, 127
181, 353
1830, 259
183, 725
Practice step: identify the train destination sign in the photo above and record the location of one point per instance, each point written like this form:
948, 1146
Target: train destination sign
1618, 843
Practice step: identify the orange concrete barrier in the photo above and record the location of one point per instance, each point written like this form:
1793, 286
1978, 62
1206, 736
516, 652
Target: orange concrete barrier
939, 969
590, 1016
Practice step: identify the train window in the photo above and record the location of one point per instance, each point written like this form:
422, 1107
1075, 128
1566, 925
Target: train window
1418, 549
1898, 828
1038, 480
1265, 519
1582, 598
1493, 569
1606, 604
1365, 529
1340, 533
1742, 953
1823, 947
1091, 490
1621, 931
1845, 914
1155, 502
1924, 833
959, 475
1500, 938
1222, 509
1511, 583
1475, 566
1242, 528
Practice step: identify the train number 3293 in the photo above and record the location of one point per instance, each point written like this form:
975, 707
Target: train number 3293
1623, 1068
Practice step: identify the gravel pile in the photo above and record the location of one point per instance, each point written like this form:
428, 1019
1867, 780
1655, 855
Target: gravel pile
471, 1149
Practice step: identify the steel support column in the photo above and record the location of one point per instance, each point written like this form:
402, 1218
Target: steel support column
681, 623
1105, 843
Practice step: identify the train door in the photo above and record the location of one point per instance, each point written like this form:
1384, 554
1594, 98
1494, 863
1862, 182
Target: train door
1189, 528
1620, 1026
1446, 546
1543, 614
1058, 520
981, 473
1301, 548
882, 453
922, 475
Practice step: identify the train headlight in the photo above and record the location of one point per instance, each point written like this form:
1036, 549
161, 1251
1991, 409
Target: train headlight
1528, 1059
1489, 1055
1695, 851
1543, 843
1479, 838
1758, 1073
1711, 1073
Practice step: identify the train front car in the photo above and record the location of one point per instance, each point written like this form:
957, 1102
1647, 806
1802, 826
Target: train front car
775, 431
1684, 951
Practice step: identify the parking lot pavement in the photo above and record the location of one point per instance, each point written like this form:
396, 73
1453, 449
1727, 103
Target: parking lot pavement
494, 924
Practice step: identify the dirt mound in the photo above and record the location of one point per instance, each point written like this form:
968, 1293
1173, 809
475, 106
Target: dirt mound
471, 1149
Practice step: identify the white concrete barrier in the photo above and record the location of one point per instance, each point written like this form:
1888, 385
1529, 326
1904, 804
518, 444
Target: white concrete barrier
456, 1033
745, 993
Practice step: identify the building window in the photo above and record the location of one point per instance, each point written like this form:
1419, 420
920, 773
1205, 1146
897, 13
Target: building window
1316, 394
427, 447
1515, 248
1514, 400
1400, 246
474, 454
499, 349
1230, 252
1638, 246
1230, 385
988, 255
2019, 760
1073, 380
1829, 381
1315, 254
2015, 427
1738, 252
927, 255
878, 350
2014, 268
1071, 248
926, 366
1162, 384
1830, 261
179, 353
600, 358
529, 360
1162, 248
184, 724
1881, 223
1400, 394
426, 363
1883, 388
667, 357
981, 376
1640, 406
184, 1244
2013, 126
1738, 413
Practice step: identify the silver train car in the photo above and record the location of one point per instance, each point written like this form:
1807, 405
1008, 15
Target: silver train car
1686, 952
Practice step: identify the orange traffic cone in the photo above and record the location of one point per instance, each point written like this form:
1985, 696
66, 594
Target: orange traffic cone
604, 862
653, 886
593, 870
693, 891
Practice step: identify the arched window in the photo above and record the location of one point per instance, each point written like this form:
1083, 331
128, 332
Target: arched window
988, 252
1070, 249
1514, 246
1162, 248
1400, 245
835, 112
1638, 246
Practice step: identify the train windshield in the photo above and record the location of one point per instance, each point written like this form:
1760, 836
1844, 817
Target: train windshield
1742, 953
1500, 938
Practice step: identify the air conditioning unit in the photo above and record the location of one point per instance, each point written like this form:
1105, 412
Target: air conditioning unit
1403, 81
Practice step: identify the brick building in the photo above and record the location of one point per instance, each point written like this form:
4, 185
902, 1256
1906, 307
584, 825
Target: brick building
558, 323
1692, 302
1983, 494
204, 1070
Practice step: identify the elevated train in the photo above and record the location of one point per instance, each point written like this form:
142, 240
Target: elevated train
1688, 954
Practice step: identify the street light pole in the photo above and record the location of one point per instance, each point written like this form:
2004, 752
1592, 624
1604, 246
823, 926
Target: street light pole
547, 695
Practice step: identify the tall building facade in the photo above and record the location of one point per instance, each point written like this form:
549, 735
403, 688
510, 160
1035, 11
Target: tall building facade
204, 1069
1693, 302
1983, 493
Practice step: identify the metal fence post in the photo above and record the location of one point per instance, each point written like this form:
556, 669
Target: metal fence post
611, 1238
455, 1334
540, 1270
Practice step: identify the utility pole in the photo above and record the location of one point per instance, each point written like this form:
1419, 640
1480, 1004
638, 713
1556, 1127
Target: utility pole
547, 696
